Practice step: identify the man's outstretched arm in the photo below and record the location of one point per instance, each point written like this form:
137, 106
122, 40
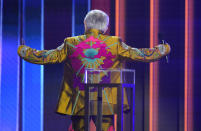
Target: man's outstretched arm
143, 54
57, 55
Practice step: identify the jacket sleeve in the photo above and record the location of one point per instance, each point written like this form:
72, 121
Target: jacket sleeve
42, 57
143, 54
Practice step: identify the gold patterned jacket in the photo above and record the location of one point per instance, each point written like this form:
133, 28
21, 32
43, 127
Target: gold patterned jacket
91, 50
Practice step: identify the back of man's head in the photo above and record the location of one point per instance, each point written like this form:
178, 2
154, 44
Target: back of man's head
96, 19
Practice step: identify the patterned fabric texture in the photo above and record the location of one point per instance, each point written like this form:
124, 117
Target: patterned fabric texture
91, 50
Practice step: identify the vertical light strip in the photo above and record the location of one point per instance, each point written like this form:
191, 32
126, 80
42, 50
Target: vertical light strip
117, 34
89, 5
32, 86
188, 77
122, 19
1, 13
18, 116
9, 67
79, 11
119, 30
117, 19
73, 17
42, 69
153, 78
1, 25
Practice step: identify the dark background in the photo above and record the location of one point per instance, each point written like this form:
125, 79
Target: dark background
58, 26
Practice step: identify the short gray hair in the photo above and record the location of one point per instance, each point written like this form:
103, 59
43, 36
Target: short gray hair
96, 19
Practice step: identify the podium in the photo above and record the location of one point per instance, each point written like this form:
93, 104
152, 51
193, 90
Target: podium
98, 80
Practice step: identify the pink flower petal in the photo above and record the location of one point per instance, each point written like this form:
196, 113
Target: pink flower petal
111, 128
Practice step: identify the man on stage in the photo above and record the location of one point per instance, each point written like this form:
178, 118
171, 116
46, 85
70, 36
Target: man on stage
94, 50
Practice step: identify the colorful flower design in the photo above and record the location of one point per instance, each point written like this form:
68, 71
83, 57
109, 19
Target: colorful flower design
90, 53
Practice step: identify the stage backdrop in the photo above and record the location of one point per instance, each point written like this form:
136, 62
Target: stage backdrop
167, 95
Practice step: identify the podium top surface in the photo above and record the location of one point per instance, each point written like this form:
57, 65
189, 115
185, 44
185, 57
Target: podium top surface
109, 70
104, 76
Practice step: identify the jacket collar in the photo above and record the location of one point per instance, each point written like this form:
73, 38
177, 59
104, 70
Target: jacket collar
94, 32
